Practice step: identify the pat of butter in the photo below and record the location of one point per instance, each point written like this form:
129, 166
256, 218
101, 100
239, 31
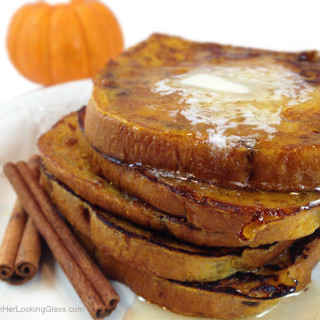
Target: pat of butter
214, 83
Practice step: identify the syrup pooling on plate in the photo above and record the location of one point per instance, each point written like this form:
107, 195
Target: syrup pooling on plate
225, 98
302, 306
143, 310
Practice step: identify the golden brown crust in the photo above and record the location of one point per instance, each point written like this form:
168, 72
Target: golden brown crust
69, 165
179, 298
227, 299
121, 123
63, 157
167, 258
252, 214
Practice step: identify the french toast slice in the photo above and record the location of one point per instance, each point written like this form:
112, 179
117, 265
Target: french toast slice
234, 116
232, 298
250, 213
62, 156
228, 219
153, 252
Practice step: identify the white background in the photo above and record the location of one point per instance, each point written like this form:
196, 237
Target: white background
274, 24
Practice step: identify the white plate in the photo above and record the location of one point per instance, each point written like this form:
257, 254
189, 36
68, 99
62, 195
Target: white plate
22, 120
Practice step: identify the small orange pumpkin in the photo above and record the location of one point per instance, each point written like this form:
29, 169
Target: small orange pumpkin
51, 44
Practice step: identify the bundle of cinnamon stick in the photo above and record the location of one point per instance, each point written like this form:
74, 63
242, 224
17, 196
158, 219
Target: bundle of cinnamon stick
89, 282
21, 245
20, 249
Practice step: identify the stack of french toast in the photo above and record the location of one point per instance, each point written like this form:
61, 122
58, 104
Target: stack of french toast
193, 174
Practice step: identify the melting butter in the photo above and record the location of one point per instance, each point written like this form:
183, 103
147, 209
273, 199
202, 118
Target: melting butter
212, 82
224, 98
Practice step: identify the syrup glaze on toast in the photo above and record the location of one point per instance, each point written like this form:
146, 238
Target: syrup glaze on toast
248, 293
166, 257
263, 218
233, 116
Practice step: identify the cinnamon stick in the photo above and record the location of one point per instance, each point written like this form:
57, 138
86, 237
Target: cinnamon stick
21, 246
97, 294
88, 266
11, 241
28, 256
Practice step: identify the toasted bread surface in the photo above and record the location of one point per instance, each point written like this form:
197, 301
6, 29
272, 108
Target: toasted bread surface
223, 219
148, 107
251, 213
231, 298
150, 251
62, 156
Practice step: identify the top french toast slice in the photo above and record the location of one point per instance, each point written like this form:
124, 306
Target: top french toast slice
234, 116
